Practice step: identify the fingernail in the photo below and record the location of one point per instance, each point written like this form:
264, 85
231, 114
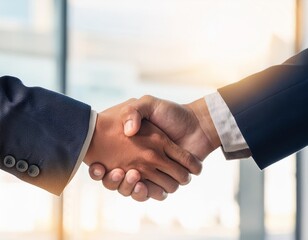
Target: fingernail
128, 127
165, 195
189, 179
131, 178
116, 177
137, 188
97, 172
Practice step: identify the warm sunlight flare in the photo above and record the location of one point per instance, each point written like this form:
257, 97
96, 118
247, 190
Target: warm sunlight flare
174, 49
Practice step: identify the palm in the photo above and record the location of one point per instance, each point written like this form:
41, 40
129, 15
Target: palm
182, 126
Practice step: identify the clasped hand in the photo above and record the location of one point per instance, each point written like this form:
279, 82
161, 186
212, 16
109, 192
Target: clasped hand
146, 148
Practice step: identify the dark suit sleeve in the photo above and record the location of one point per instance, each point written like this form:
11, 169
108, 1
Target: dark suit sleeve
43, 131
271, 109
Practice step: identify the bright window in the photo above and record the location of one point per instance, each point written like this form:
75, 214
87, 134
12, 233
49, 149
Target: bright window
27, 52
179, 50
174, 49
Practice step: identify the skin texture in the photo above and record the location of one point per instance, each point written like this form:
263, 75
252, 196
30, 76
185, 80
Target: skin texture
190, 126
159, 162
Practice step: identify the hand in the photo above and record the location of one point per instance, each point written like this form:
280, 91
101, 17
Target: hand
159, 161
189, 125
130, 185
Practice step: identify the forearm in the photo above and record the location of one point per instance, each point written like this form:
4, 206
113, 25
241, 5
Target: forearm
43, 128
270, 108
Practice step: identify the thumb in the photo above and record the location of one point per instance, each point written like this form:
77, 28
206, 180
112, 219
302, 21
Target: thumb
97, 171
132, 123
134, 112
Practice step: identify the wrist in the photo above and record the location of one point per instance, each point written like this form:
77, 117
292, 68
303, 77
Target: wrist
200, 109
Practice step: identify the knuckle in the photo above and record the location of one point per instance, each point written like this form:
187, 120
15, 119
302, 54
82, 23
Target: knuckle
150, 155
159, 139
127, 110
141, 167
147, 97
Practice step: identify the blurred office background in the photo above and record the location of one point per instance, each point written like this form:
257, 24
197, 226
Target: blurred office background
103, 52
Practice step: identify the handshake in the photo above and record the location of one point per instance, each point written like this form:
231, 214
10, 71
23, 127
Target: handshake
150, 146
145, 148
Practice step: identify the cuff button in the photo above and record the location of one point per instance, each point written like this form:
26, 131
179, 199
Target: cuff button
22, 166
9, 161
33, 171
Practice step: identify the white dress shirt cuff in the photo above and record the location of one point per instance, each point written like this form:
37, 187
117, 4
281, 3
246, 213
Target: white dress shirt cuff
86, 143
233, 143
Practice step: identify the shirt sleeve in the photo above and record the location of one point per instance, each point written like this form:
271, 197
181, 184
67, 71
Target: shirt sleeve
234, 145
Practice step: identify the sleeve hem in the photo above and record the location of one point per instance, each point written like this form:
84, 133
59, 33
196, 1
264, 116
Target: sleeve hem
234, 145
86, 144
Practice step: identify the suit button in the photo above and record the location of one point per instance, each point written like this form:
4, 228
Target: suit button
9, 161
33, 171
22, 166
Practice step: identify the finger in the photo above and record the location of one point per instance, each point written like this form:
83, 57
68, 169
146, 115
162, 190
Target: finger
176, 171
97, 171
163, 180
131, 120
154, 191
140, 192
157, 160
113, 179
183, 157
129, 182
135, 111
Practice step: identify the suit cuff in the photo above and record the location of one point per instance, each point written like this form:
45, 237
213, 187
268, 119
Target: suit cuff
234, 145
86, 144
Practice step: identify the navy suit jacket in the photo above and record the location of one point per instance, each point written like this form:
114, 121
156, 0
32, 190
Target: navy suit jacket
40, 128
271, 109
